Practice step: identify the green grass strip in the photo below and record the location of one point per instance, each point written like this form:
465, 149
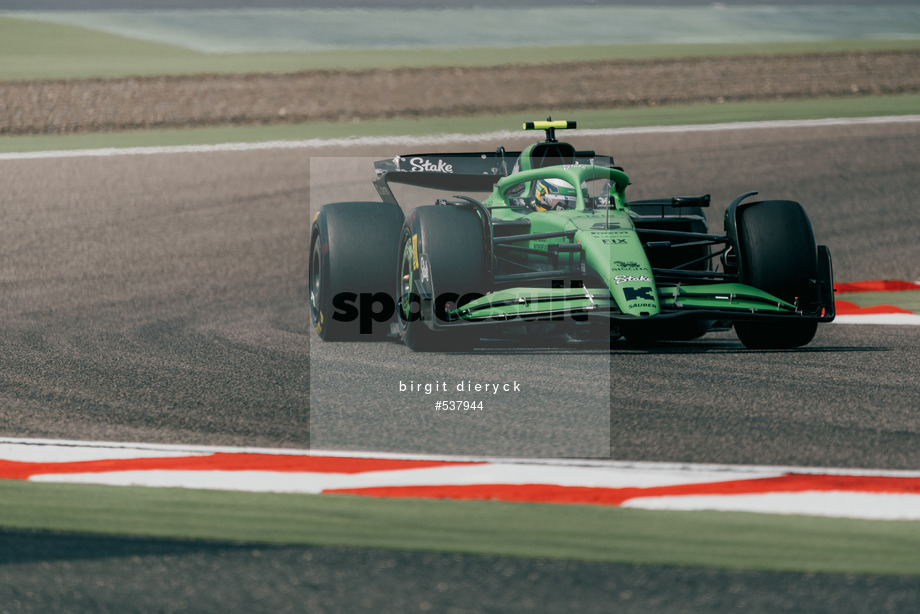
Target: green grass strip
613, 118
698, 539
36, 50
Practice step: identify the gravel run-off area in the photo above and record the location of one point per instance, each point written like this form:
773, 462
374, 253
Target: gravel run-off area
99, 105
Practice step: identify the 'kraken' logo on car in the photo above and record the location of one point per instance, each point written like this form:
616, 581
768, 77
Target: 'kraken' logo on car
632, 294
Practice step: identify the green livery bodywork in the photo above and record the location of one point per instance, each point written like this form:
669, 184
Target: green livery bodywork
586, 253
608, 239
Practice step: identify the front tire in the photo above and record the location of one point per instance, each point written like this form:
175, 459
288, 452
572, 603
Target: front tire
449, 241
778, 255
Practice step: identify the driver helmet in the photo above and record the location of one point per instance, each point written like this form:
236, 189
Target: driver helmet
554, 194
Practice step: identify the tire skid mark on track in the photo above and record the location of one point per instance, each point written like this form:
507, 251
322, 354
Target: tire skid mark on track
886, 495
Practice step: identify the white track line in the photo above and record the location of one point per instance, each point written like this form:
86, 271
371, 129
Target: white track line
886, 319
865, 506
447, 139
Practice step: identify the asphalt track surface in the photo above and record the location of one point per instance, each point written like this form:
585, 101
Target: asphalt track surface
162, 298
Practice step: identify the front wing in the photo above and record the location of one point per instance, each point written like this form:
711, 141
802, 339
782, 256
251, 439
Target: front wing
701, 302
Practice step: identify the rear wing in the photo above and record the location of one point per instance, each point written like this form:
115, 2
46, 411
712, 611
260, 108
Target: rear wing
459, 172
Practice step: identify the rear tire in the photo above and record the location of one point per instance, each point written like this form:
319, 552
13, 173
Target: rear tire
352, 247
450, 239
778, 255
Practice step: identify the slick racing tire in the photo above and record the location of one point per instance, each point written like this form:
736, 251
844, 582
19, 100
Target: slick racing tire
441, 247
351, 277
778, 255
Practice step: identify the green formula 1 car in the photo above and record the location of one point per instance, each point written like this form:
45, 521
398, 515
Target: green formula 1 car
553, 246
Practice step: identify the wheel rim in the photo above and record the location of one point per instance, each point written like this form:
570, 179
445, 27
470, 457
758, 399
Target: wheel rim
316, 285
406, 281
